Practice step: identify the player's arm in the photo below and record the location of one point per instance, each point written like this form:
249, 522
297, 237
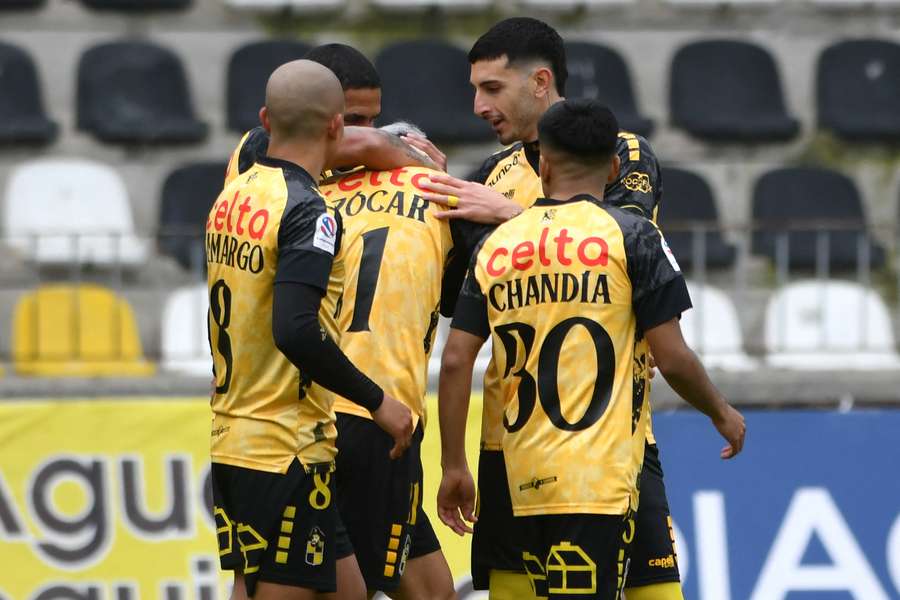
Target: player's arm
378, 150
456, 494
660, 295
305, 255
687, 376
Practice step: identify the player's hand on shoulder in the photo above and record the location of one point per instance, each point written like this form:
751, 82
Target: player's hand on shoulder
468, 200
424, 144
395, 418
456, 500
730, 424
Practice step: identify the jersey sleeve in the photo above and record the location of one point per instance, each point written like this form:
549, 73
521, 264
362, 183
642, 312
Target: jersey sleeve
471, 308
659, 292
308, 239
638, 188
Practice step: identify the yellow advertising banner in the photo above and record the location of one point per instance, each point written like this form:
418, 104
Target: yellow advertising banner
109, 500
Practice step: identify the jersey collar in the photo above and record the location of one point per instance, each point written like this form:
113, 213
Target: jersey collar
287, 166
575, 198
533, 154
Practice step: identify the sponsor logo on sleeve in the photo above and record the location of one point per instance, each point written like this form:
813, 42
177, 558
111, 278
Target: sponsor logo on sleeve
669, 254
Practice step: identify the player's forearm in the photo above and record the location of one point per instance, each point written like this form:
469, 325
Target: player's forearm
685, 374
377, 150
299, 336
454, 389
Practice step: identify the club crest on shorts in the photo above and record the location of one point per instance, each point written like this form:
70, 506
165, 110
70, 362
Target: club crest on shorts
326, 233
315, 547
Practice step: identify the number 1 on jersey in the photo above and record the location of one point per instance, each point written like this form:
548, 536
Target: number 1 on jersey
369, 268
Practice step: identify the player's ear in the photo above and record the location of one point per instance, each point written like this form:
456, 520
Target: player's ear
543, 79
614, 168
264, 119
336, 127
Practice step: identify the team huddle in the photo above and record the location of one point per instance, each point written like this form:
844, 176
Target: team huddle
332, 251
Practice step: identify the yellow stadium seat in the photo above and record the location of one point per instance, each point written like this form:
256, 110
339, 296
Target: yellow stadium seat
76, 331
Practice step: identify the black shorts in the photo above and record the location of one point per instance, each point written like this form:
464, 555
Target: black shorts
279, 528
578, 556
380, 501
653, 556
496, 543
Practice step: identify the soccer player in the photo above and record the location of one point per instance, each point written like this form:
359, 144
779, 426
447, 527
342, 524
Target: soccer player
271, 246
519, 71
574, 293
361, 144
394, 256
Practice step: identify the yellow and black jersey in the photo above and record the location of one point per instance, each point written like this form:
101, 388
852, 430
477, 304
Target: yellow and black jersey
394, 252
565, 291
270, 224
514, 173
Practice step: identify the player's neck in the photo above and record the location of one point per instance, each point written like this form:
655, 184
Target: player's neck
309, 156
564, 191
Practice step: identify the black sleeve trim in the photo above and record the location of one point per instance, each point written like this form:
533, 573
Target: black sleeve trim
662, 304
300, 337
471, 316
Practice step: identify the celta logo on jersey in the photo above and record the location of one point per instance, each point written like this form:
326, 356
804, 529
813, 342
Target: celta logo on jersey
224, 230
590, 287
326, 233
591, 252
380, 200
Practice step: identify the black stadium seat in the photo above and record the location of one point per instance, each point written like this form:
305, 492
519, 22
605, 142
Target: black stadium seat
858, 90
22, 117
792, 199
135, 92
599, 72
187, 195
688, 200
136, 5
248, 72
723, 90
426, 83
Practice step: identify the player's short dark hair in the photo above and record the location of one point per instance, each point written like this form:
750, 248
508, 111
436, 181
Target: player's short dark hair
583, 129
351, 66
524, 39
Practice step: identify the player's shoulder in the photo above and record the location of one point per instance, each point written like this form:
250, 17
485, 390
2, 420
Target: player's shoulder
490, 163
254, 144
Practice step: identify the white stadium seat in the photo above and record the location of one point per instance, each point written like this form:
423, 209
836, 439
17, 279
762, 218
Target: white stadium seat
185, 345
713, 331
64, 211
450, 5
829, 325
295, 5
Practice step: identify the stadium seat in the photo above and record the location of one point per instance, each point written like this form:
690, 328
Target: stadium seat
713, 331
688, 200
187, 195
786, 204
248, 72
858, 90
728, 90
305, 6
22, 117
449, 5
185, 345
136, 5
135, 92
596, 71
63, 211
76, 331
426, 82
829, 325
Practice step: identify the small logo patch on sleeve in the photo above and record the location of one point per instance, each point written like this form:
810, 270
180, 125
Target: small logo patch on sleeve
669, 254
326, 233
